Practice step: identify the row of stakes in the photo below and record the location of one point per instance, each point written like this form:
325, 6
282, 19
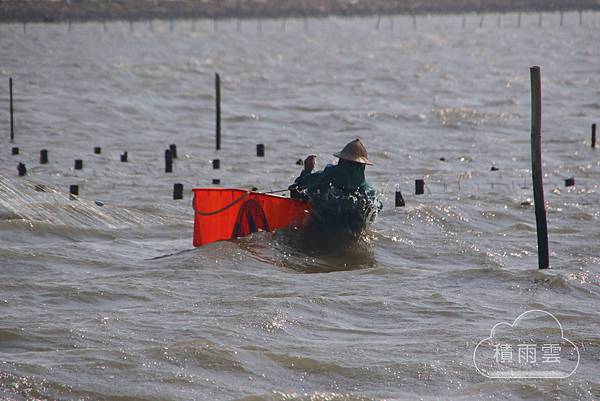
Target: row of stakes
170, 154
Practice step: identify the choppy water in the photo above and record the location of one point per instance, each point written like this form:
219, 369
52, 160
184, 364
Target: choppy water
111, 303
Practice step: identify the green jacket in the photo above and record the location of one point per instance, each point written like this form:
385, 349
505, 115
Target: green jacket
342, 187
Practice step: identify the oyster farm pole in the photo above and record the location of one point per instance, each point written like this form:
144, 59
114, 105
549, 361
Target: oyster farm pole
536, 168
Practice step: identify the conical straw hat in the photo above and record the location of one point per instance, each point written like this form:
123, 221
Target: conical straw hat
354, 151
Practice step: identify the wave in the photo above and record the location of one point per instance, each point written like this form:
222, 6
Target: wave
42, 203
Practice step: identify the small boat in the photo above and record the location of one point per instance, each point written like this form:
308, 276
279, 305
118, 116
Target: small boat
229, 213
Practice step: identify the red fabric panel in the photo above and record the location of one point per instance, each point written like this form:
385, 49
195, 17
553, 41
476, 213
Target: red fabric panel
239, 213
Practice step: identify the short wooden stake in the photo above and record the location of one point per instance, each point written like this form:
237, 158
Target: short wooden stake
536, 168
15, 151
22, 169
399, 200
419, 187
43, 156
168, 161
570, 182
178, 191
260, 150
74, 190
124, 157
216, 181
97, 150
216, 163
78, 164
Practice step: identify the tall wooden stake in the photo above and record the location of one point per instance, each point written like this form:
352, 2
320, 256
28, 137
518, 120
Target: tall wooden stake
536, 168
12, 124
218, 107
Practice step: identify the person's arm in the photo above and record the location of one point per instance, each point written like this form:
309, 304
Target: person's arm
309, 166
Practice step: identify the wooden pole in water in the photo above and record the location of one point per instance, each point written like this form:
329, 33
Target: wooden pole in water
168, 161
593, 136
536, 167
218, 108
177, 191
561, 18
12, 122
419, 187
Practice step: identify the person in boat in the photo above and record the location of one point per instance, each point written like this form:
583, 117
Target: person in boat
341, 189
